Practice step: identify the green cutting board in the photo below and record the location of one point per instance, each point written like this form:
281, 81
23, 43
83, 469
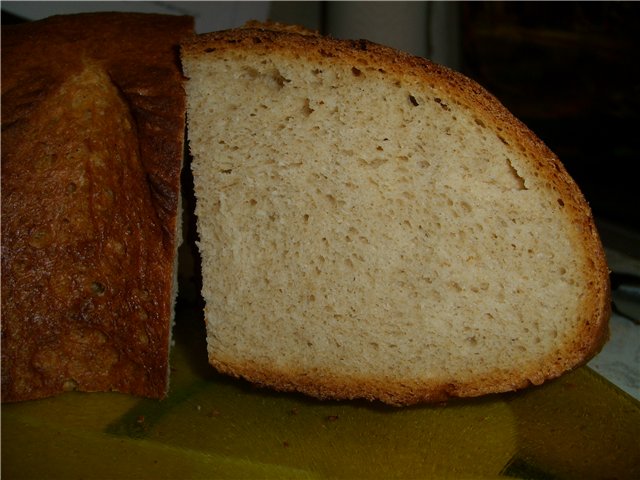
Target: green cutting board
210, 426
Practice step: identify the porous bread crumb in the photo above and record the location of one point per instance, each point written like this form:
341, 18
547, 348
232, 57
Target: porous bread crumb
367, 234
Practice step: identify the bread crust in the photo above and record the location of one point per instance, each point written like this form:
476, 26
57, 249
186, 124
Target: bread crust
92, 147
542, 164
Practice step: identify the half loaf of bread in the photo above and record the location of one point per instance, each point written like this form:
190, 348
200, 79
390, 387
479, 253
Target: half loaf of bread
373, 225
92, 144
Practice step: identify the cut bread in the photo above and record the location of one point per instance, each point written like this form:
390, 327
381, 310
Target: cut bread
93, 114
373, 225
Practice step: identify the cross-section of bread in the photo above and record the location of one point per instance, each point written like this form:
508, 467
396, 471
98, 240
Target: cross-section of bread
92, 143
374, 225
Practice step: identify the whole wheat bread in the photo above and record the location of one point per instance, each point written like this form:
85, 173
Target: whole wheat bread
374, 225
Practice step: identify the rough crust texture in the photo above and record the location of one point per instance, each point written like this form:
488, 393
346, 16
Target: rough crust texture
92, 147
250, 338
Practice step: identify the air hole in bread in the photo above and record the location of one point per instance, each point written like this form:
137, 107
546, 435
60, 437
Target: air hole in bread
443, 105
97, 288
519, 180
306, 108
251, 72
373, 163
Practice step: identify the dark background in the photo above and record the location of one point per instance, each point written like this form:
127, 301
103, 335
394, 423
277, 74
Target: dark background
571, 72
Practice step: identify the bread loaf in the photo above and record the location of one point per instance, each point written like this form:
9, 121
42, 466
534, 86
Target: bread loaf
373, 225
92, 145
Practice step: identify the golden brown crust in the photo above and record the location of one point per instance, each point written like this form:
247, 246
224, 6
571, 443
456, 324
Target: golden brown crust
372, 59
92, 145
332, 385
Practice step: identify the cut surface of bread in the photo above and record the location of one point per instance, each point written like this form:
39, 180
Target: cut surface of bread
92, 143
373, 225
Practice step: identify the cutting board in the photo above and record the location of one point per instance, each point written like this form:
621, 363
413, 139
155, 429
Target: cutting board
211, 426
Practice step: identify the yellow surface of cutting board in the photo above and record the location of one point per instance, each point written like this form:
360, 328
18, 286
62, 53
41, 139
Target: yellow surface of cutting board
210, 426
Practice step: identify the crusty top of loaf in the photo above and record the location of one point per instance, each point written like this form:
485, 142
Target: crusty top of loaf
92, 146
230, 174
